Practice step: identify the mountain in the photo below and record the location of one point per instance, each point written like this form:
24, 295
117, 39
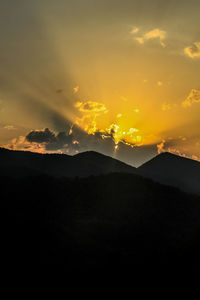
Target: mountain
173, 170
166, 168
111, 221
24, 163
114, 220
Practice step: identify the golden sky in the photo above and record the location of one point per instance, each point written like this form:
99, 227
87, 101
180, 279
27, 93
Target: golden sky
119, 77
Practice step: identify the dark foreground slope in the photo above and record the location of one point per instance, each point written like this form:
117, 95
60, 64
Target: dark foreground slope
109, 221
20, 164
174, 170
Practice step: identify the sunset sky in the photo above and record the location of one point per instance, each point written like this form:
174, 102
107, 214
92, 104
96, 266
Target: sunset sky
118, 77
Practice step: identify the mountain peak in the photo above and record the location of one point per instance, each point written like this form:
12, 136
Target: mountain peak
167, 156
175, 170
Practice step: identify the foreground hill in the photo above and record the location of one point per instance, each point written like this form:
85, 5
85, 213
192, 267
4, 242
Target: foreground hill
115, 220
174, 170
24, 163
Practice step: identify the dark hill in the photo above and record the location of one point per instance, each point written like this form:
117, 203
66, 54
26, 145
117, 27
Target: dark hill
24, 163
96, 163
111, 221
174, 170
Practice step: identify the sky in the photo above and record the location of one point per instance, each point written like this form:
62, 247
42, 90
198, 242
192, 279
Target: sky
118, 77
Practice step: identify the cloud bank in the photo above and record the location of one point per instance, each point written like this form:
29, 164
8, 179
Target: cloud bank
75, 141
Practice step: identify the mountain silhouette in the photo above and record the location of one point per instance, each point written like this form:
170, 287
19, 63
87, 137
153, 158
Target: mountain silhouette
166, 168
54, 212
173, 170
109, 221
24, 163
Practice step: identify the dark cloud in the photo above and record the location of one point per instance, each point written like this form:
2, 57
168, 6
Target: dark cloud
53, 142
45, 136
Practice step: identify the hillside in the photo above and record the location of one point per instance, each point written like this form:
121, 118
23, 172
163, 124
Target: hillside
115, 220
24, 163
174, 170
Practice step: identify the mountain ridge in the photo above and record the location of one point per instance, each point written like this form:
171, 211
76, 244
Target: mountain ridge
166, 168
62, 165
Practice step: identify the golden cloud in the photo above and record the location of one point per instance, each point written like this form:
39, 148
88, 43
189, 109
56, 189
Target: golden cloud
153, 34
140, 40
161, 147
76, 89
193, 51
119, 135
119, 116
22, 144
170, 146
91, 106
194, 97
91, 111
135, 30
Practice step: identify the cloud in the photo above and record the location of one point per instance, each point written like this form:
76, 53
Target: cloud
177, 152
195, 157
77, 140
135, 30
119, 116
9, 127
76, 89
161, 147
193, 51
140, 40
153, 34
177, 146
114, 141
90, 111
20, 143
194, 97
63, 141
41, 136
118, 135
89, 123
167, 146
91, 106
159, 83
